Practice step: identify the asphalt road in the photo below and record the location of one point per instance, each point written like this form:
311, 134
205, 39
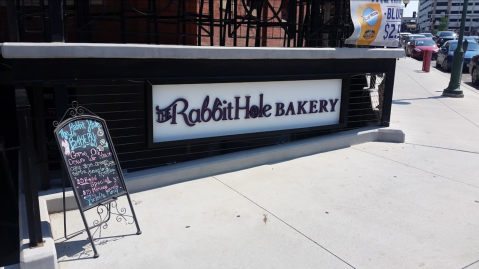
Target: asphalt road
466, 77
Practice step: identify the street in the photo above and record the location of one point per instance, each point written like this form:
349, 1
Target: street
466, 76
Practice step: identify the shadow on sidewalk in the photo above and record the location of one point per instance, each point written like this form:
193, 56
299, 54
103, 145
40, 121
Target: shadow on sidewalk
471, 85
403, 101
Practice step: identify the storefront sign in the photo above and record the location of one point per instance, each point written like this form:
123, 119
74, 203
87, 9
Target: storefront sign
375, 23
192, 111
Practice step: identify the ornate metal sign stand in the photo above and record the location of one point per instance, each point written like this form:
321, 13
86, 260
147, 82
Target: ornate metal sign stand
104, 207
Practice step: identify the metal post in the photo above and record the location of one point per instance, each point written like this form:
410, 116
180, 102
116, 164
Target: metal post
56, 20
4, 166
30, 185
82, 16
12, 21
454, 88
61, 104
388, 92
433, 15
471, 19
41, 137
264, 29
122, 22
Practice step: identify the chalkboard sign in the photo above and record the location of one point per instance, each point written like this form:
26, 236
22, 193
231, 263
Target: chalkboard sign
90, 160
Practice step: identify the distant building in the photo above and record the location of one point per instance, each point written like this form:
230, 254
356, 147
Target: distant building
409, 24
431, 11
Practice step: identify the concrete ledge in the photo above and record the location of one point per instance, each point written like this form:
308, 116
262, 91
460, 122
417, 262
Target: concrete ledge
391, 135
141, 51
44, 257
163, 176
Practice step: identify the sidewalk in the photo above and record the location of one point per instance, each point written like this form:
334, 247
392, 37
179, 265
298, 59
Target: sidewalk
375, 205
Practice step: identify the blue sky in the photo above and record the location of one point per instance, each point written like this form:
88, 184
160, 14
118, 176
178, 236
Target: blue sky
412, 6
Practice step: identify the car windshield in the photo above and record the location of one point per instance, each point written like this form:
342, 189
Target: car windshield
411, 38
425, 43
427, 35
470, 46
446, 34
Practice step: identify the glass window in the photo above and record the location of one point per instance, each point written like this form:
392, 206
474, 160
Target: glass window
411, 38
472, 46
446, 34
425, 43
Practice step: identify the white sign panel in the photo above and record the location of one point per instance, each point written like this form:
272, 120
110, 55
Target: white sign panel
191, 111
375, 23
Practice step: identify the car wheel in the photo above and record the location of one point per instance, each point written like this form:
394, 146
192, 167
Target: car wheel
444, 65
475, 78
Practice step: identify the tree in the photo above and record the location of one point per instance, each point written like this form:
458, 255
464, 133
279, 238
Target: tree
443, 24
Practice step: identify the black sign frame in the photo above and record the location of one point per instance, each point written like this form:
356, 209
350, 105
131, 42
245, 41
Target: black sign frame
78, 113
114, 157
343, 116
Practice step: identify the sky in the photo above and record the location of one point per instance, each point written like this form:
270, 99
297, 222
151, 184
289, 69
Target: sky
412, 6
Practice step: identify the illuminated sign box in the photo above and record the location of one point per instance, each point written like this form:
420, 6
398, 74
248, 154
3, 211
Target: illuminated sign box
180, 113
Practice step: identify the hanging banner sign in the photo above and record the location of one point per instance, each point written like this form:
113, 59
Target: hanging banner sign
375, 24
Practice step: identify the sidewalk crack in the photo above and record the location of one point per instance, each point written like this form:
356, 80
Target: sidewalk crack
458, 181
460, 150
470, 264
289, 225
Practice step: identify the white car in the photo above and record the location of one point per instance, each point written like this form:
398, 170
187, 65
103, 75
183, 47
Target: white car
402, 37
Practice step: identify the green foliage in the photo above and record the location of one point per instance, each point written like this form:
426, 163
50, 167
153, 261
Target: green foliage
443, 23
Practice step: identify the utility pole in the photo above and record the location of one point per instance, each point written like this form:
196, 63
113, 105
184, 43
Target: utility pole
433, 19
471, 19
454, 88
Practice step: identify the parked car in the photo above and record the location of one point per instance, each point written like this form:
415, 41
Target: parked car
473, 66
410, 38
470, 39
402, 37
446, 54
443, 40
441, 34
428, 35
418, 46
475, 37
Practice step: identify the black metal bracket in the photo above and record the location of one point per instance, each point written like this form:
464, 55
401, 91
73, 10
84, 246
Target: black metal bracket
74, 111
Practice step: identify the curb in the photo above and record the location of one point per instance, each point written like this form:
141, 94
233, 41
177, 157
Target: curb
44, 257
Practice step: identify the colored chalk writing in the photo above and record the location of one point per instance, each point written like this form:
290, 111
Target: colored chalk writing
90, 162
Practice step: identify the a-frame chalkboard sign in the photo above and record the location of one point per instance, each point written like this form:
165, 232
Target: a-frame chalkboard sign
91, 163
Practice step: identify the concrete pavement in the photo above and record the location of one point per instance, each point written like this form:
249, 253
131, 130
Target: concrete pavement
374, 205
